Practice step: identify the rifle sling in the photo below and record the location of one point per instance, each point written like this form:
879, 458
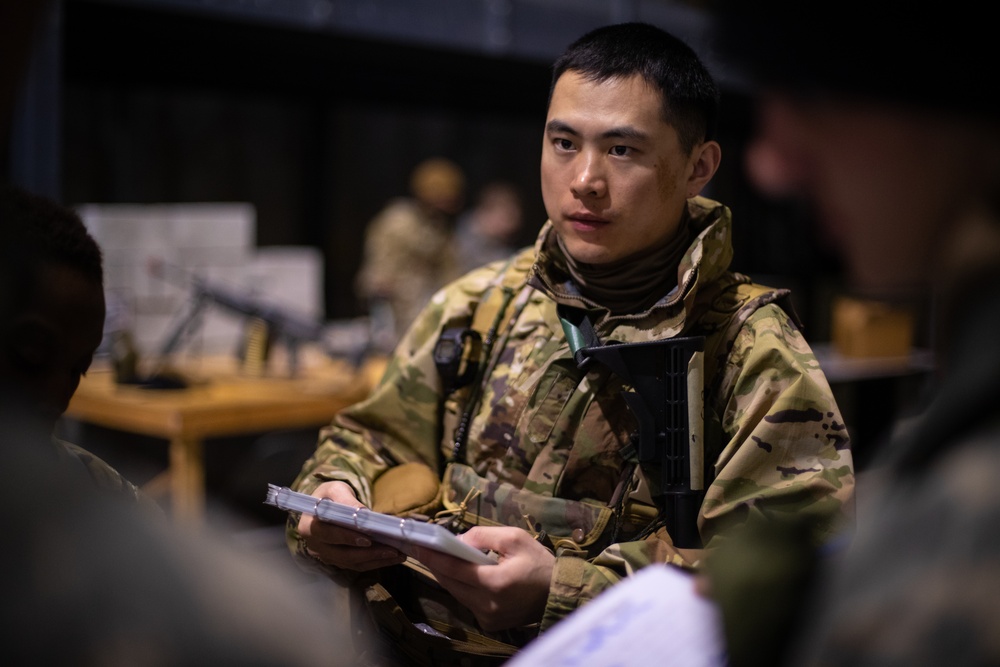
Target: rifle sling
579, 332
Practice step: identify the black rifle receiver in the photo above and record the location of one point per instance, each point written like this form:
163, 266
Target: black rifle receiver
668, 409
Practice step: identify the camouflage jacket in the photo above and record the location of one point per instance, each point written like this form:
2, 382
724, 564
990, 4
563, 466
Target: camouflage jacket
547, 434
407, 258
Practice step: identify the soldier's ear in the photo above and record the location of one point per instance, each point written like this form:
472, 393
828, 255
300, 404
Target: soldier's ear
704, 162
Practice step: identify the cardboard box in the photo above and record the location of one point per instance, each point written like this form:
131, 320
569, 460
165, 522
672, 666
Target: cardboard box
864, 328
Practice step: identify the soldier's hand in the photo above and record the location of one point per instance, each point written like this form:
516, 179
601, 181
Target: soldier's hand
342, 547
509, 594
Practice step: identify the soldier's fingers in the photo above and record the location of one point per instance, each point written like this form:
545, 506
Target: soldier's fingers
446, 565
356, 558
470, 595
329, 533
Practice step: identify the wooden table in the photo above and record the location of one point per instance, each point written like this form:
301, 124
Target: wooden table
219, 401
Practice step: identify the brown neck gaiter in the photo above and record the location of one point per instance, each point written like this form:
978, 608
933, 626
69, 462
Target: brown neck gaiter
632, 284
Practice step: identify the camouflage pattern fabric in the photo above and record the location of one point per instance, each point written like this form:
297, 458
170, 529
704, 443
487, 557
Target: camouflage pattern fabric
407, 259
548, 428
573, 525
103, 476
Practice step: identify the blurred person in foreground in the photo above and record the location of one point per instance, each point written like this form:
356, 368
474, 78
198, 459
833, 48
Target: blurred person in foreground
91, 570
890, 128
89, 577
533, 455
408, 246
93, 581
51, 318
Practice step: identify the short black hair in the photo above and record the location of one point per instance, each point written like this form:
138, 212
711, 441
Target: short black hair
690, 94
34, 231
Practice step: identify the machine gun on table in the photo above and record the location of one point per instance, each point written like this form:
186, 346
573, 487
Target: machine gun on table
291, 329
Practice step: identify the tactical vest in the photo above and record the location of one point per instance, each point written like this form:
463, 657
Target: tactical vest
572, 527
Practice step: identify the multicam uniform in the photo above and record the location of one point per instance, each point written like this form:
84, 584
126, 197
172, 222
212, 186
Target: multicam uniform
547, 445
919, 584
407, 259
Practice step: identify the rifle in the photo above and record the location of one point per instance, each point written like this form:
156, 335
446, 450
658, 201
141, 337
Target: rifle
664, 392
281, 325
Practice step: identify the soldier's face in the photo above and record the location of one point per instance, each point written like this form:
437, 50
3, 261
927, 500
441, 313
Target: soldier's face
614, 177
50, 344
884, 182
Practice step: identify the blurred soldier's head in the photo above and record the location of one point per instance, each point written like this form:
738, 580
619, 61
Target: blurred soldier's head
888, 125
51, 300
439, 184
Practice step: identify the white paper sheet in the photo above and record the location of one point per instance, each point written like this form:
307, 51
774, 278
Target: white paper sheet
654, 617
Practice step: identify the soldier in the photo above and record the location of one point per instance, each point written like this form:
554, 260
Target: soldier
889, 130
535, 452
93, 572
52, 307
408, 254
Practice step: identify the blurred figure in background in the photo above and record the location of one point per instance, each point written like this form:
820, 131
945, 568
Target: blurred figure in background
489, 231
891, 130
407, 253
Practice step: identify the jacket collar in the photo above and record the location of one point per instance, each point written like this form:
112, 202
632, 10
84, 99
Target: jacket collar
705, 260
